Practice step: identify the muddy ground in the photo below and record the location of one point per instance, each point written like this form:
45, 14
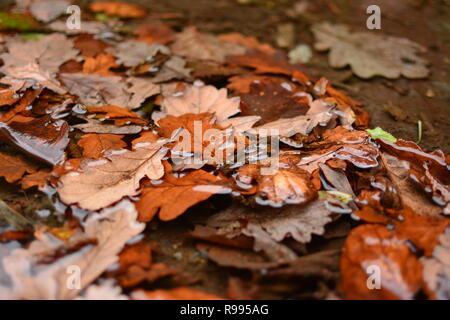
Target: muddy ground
426, 22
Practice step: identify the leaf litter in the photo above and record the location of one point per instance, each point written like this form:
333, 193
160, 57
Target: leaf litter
93, 124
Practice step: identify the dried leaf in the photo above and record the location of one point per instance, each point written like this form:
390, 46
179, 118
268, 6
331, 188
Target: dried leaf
132, 53
370, 54
196, 45
38, 60
100, 183
201, 99
100, 64
47, 11
27, 275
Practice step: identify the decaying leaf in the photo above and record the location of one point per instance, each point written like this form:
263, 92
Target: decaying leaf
370, 54
101, 182
27, 275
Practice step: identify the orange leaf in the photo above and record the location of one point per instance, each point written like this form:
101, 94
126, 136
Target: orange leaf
36, 179
372, 250
95, 144
119, 9
100, 64
12, 168
8, 97
174, 195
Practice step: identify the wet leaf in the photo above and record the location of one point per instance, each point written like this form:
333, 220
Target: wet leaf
101, 182
436, 270
94, 145
104, 236
361, 50
297, 222
369, 248
43, 138
173, 195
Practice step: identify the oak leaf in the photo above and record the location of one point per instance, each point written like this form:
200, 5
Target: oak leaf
13, 168
193, 44
95, 144
101, 182
26, 273
100, 64
201, 99
38, 59
370, 54
374, 246
174, 195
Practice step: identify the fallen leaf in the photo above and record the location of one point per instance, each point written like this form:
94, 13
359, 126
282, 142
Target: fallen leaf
38, 59
247, 42
132, 53
29, 276
201, 99
287, 184
193, 44
120, 9
100, 64
36, 179
297, 222
436, 270
154, 31
174, 195
47, 11
95, 144
370, 54
43, 138
101, 182
8, 97
373, 247
97, 126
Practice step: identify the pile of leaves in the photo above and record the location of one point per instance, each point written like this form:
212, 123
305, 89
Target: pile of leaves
90, 120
